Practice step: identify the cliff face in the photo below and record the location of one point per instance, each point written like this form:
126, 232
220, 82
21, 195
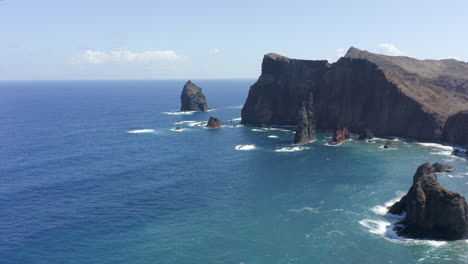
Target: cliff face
431, 210
277, 95
392, 96
456, 128
192, 98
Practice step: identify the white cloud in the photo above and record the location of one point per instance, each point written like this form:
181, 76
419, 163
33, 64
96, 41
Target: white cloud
215, 51
389, 49
105, 57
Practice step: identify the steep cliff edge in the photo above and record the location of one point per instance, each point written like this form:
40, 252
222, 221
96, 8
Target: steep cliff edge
392, 96
456, 128
284, 84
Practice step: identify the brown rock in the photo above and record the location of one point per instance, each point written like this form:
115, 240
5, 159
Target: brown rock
213, 122
339, 135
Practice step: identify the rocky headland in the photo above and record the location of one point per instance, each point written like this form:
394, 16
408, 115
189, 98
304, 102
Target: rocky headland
388, 95
431, 210
192, 98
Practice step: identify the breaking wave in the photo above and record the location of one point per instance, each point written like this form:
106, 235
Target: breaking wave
291, 149
384, 223
138, 131
245, 147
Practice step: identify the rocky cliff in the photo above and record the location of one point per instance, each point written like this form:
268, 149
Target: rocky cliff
305, 131
431, 210
192, 98
391, 96
456, 128
277, 95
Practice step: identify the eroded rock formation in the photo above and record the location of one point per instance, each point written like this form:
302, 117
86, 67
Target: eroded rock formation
339, 135
305, 131
439, 167
431, 210
192, 98
213, 122
391, 96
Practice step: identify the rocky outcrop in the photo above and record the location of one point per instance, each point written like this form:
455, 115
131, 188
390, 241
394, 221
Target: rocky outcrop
439, 167
366, 135
431, 210
339, 135
456, 128
192, 98
276, 97
388, 145
391, 96
305, 131
460, 153
213, 122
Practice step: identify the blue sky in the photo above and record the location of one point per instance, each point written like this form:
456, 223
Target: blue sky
139, 39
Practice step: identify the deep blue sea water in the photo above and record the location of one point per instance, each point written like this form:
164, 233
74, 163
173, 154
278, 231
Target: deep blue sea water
91, 172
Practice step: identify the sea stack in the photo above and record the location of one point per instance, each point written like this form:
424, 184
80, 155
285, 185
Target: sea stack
432, 211
305, 131
339, 135
213, 122
192, 98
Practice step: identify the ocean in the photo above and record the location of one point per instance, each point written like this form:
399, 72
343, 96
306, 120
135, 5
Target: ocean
93, 172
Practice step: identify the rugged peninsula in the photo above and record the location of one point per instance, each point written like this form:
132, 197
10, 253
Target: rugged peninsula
192, 98
388, 95
431, 210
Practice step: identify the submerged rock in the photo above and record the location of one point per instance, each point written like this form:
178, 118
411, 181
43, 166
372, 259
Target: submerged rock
388, 145
214, 122
305, 131
439, 167
432, 211
460, 153
192, 98
366, 135
339, 135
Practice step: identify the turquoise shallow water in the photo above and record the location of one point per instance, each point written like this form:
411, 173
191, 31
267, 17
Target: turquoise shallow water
78, 187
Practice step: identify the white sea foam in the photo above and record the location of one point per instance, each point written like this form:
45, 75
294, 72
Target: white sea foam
179, 113
178, 130
245, 147
273, 136
290, 149
339, 144
384, 225
306, 209
236, 119
437, 146
257, 130
197, 124
137, 131
236, 106
184, 122
391, 148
